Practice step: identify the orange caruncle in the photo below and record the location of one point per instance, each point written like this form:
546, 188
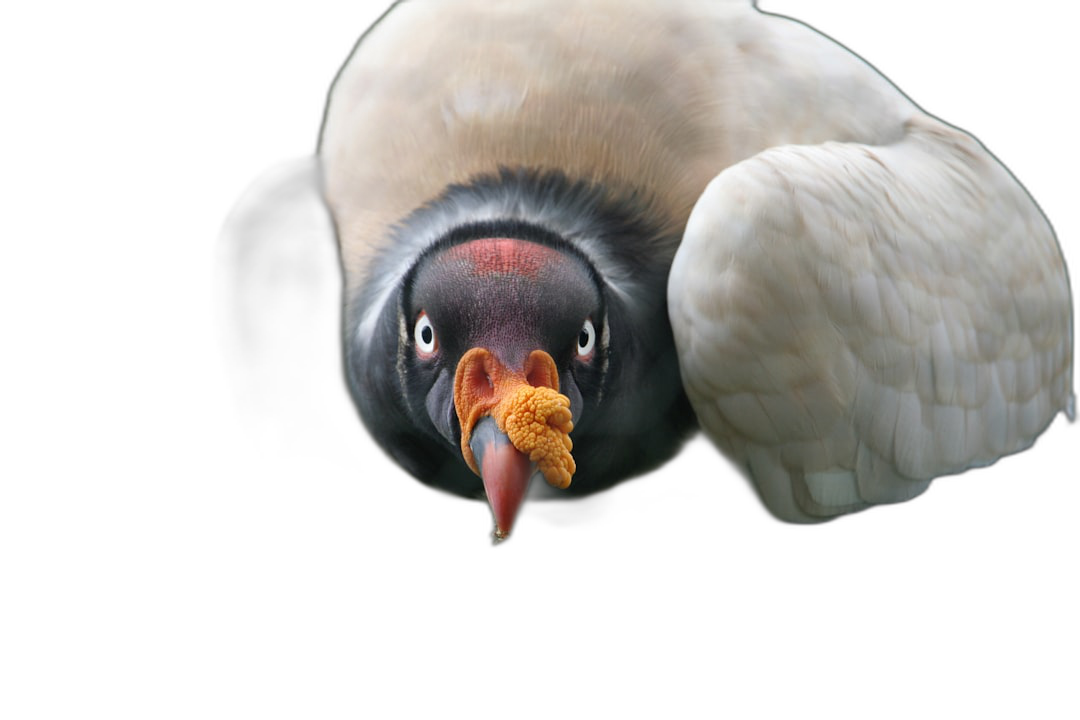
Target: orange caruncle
538, 423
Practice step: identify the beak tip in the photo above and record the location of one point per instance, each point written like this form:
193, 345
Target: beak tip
505, 471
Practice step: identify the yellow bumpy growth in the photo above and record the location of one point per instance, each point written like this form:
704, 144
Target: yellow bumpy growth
538, 422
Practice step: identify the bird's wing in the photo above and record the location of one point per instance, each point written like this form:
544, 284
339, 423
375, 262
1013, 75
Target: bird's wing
853, 320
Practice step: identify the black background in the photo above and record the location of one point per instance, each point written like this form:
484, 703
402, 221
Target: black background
320, 508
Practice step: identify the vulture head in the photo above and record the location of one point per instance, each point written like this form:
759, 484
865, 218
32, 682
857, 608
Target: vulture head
516, 328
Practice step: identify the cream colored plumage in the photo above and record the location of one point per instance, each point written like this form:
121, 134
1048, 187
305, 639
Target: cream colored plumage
864, 297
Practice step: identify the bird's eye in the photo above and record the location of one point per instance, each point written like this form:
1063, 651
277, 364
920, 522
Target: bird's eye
424, 335
586, 340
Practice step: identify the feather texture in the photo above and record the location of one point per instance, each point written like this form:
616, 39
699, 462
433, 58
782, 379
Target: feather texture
856, 320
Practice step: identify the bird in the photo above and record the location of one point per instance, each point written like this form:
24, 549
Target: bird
597, 227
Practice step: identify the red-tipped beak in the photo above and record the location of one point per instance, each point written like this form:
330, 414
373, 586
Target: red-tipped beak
505, 471
483, 385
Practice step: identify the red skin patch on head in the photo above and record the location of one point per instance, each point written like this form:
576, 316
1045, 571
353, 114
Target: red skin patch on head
504, 256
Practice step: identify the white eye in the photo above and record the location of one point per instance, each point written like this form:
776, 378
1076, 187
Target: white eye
424, 335
586, 340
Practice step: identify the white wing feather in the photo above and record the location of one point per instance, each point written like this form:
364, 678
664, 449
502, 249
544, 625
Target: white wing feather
853, 321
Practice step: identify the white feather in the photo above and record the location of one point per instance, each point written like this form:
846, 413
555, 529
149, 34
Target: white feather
957, 319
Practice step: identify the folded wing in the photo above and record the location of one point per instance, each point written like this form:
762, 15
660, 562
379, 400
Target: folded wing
854, 320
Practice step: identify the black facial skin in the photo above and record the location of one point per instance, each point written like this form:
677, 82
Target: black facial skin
509, 313
629, 409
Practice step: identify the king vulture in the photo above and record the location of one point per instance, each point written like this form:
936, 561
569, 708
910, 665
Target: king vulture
599, 224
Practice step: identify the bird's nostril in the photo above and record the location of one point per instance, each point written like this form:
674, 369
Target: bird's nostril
540, 370
537, 378
480, 381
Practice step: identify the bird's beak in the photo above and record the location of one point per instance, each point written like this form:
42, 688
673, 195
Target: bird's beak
506, 472
514, 424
